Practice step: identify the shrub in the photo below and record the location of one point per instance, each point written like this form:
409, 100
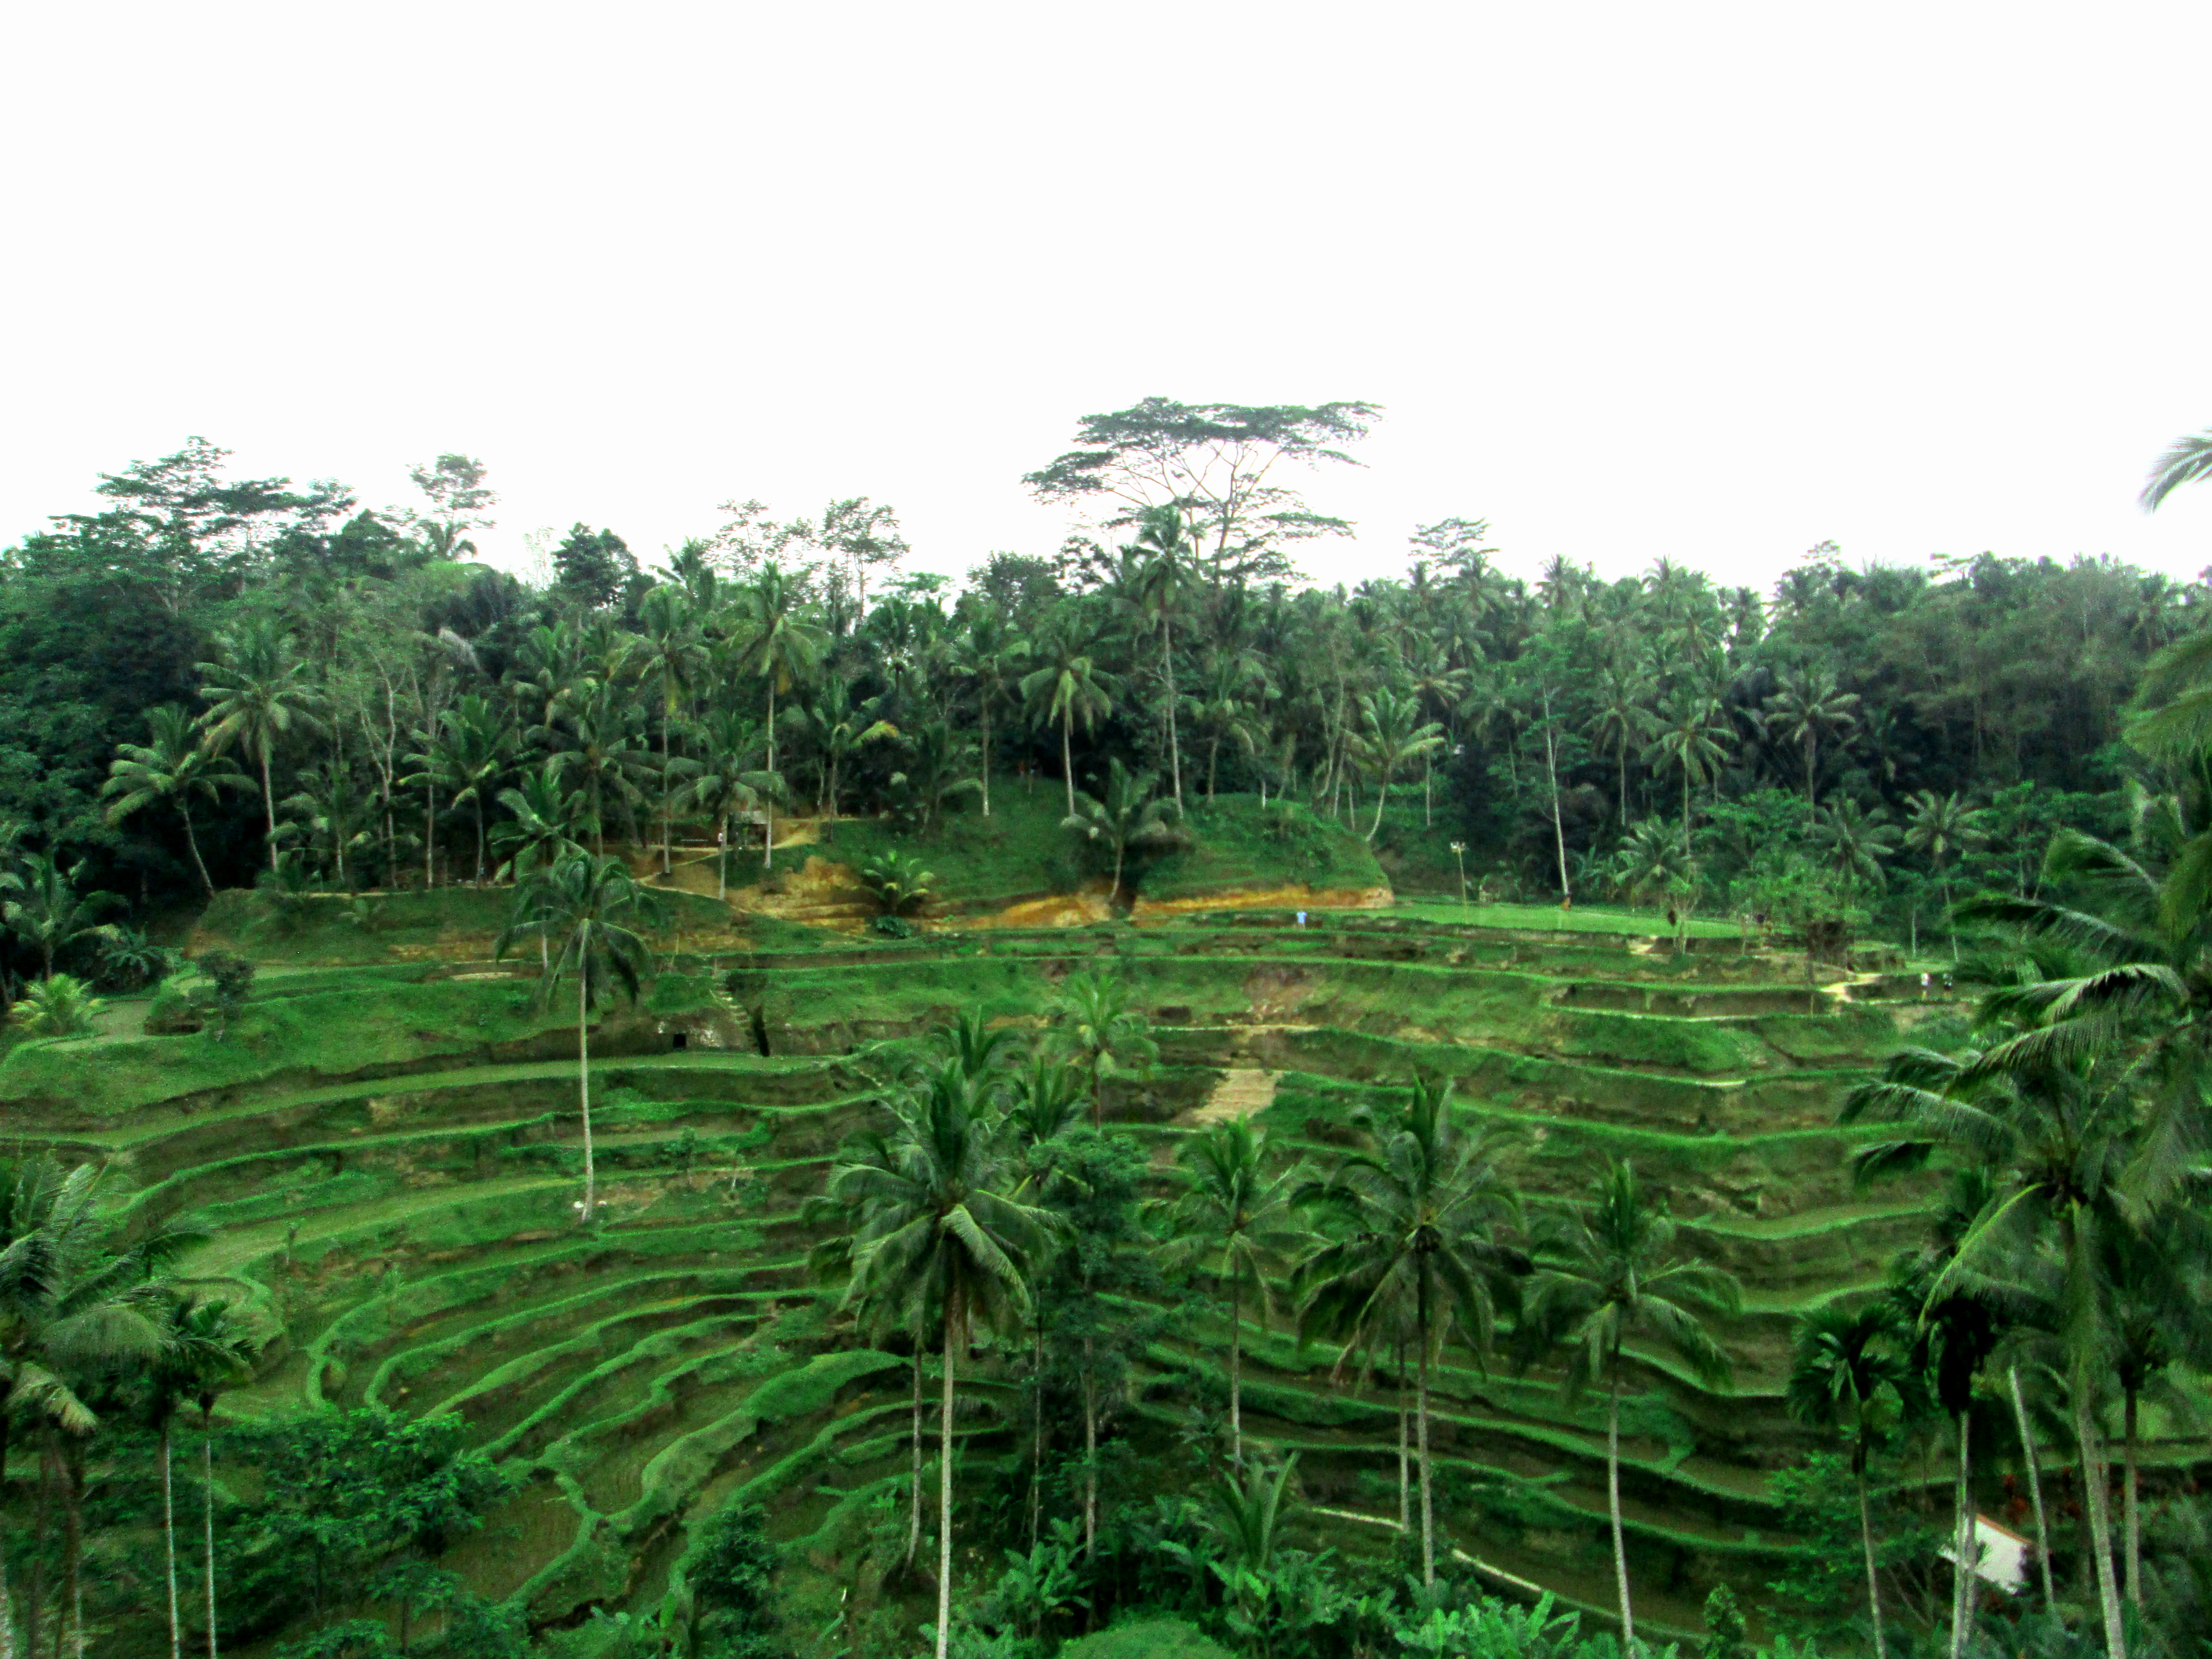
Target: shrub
898, 882
61, 1007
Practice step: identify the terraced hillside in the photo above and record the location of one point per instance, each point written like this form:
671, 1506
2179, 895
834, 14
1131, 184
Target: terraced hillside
396, 1189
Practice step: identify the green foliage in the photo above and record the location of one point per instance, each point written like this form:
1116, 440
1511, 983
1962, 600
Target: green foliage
61, 1007
898, 882
728, 1574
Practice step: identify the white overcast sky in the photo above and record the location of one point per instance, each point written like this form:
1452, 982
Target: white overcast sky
1711, 281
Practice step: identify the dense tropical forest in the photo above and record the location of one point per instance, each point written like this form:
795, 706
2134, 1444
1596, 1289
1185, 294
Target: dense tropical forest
1447, 947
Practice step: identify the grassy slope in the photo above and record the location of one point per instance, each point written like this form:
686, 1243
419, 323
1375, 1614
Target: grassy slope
1021, 852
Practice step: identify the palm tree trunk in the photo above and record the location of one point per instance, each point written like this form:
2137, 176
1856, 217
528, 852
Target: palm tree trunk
1404, 1507
1089, 1450
985, 700
1613, 1506
269, 803
1421, 1433
429, 839
199, 863
2034, 1485
1965, 1545
768, 800
1067, 757
206, 1515
169, 1544
7, 1598
945, 1487
1381, 795
1174, 745
2100, 1520
1874, 1581
73, 1520
480, 835
667, 794
2131, 1511
584, 1087
914, 1493
722, 858
1236, 1368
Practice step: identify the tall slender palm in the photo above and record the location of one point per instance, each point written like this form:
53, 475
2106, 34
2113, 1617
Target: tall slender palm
589, 910
176, 766
782, 644
1091, 1019
1164, 541
1941, 828
257, 694
1624, 715
1419, 1223
669, 656
1395, 736
203, 1347
1857, 840
1228, 708
728, 782
462, 756
942, 1238
542, 829
1608, 1273
1849, 1362
1236, 1220
1046, 1102
596, 742
989, 656
1689, 734
1811, 707
1070, 689
2050, 1124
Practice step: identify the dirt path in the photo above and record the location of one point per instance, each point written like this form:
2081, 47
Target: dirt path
1243, 1092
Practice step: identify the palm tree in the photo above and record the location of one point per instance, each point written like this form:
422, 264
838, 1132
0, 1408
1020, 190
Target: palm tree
2185, 461
1808, 707
841, 723
597, 743
1397, 736
1689, 734
464, 754
229, 1348
989, 657
176, 766
201, 1347
257, 695
539, 835
1848, 1361
669, 655
588, 909
51, 915
2050, 1123
728, 783
59, 1006
938, 759
782, 644
1071, 688
1857, 841
1942, 827
1227, 708
1623, 714
1608, 1273
1235, 1220
1164, 540
1091, 1018
1423, 1217
331, 810
1126, 817
941, 1238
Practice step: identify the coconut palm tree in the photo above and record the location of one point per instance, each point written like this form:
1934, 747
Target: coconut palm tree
1418, 1224
257, 694
1227, 708
1091, 1019
176, 766
1607, 1274
2049, 1124
49, 914
464, 755
1857, 840
2185, 460
1157, 595
202, 1347
229, 1346
728, 783
1069, 689
1234, 1219
1395, 736
669, 657
1624, 715
1849, 1362
597, 741
540, 832
1689, 734
588, 909
1126, 817
942, 1238
1810, 707
989, 656
1942, 828
779, 641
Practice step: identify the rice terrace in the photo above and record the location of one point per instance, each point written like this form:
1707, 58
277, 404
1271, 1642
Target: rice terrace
767, 1106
